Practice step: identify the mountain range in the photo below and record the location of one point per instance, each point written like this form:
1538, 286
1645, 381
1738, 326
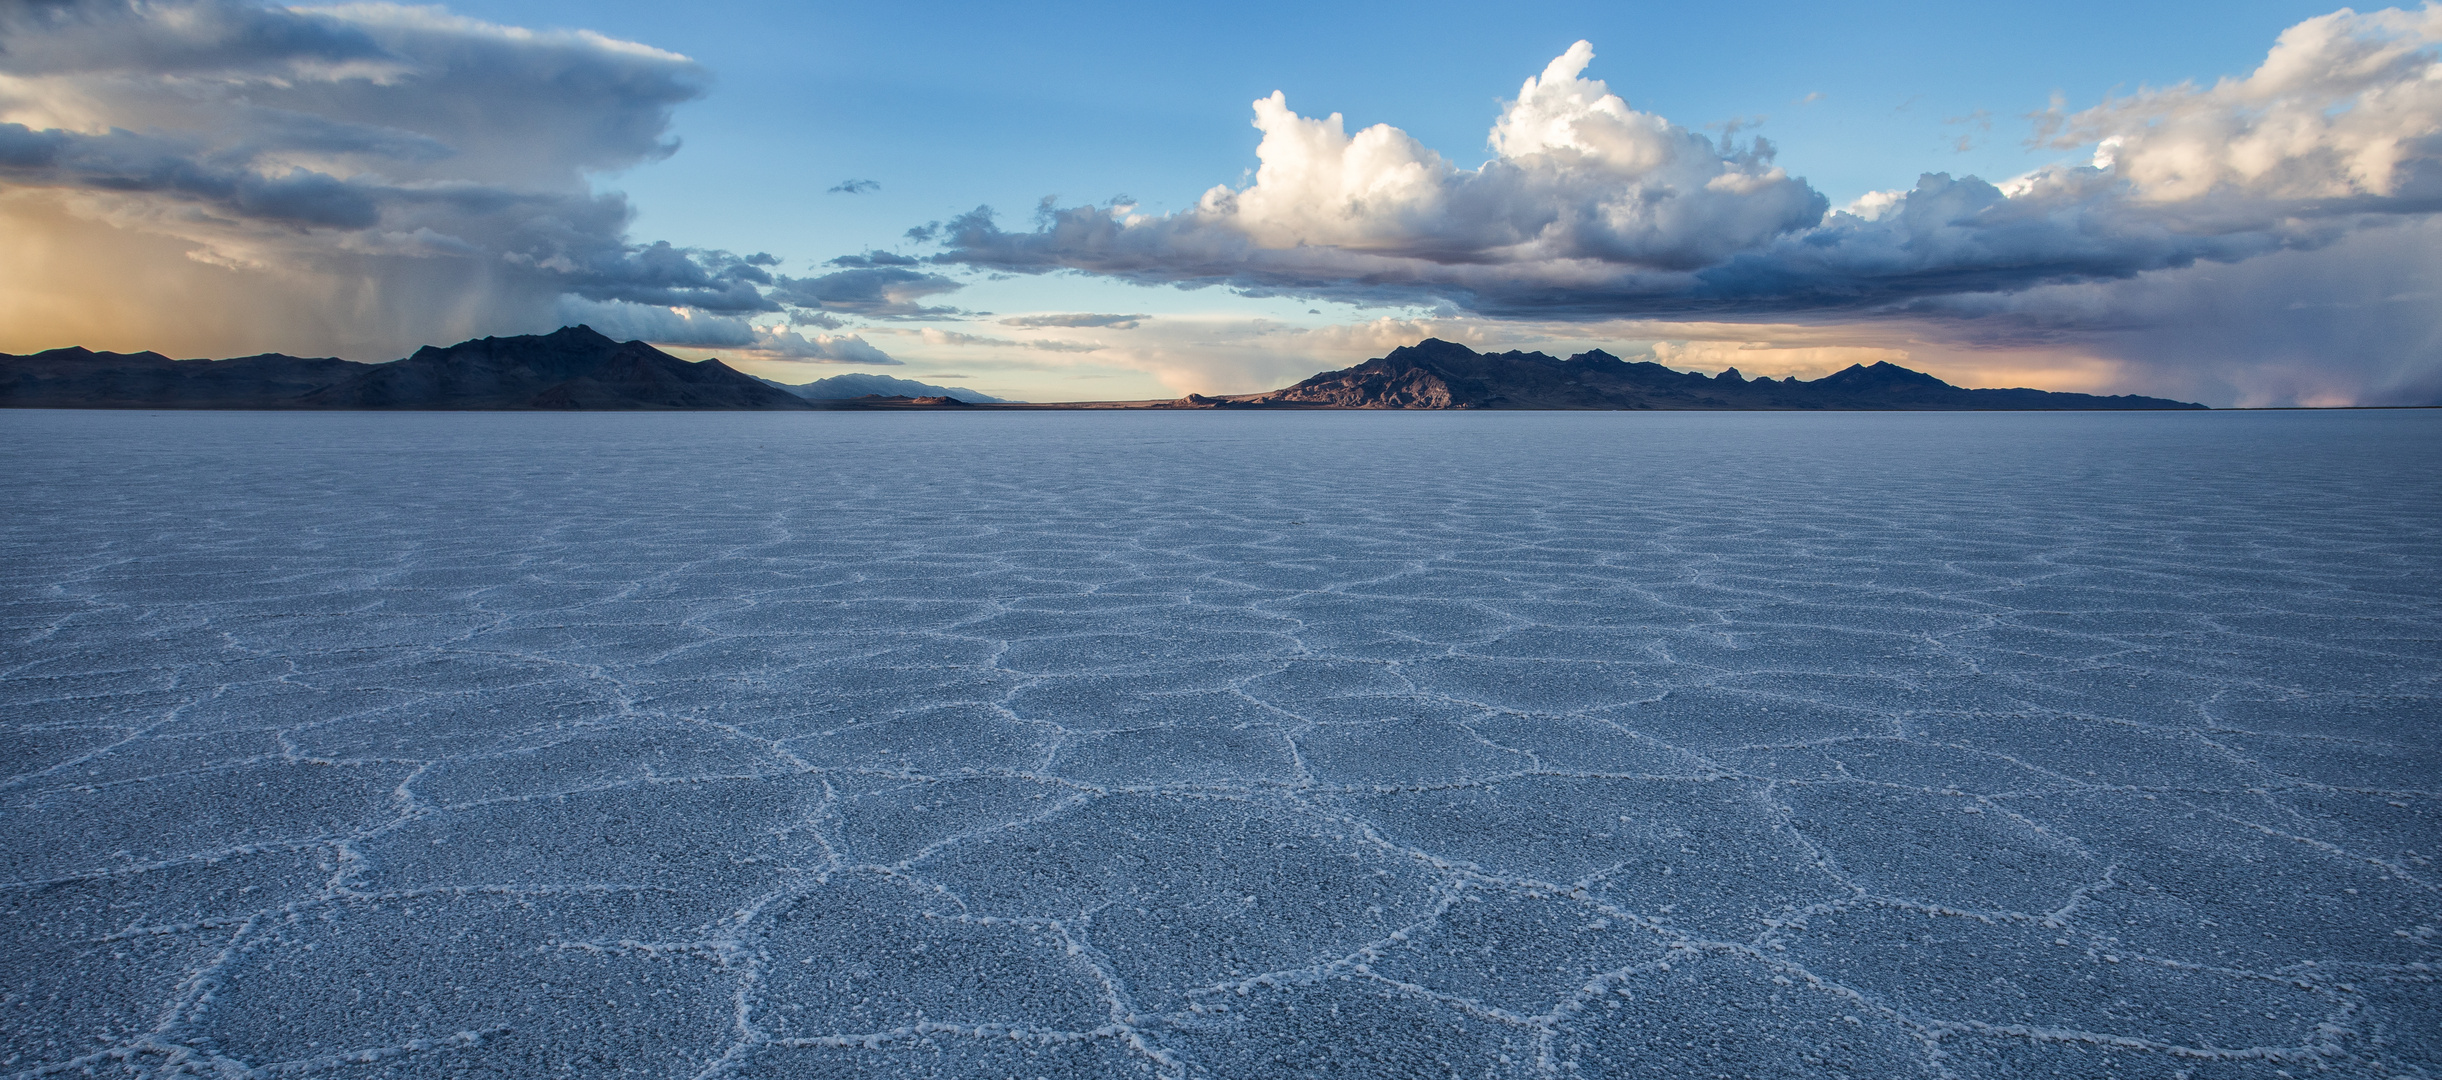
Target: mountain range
1437, 374
576, 368
570, 368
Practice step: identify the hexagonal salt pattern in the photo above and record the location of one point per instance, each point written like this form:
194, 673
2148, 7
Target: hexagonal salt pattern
1220, 746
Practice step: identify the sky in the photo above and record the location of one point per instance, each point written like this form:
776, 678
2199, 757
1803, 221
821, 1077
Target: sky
2234, 203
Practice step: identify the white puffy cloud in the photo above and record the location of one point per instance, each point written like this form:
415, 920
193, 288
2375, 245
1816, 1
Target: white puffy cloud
1579, 182
2338, 131
361, 158
2346, 106
1591, 209
1578, 175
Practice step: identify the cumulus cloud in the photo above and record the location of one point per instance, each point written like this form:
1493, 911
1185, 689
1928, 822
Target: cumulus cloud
855, 187
2346, 107
1591, 210
1579, 182
360, 156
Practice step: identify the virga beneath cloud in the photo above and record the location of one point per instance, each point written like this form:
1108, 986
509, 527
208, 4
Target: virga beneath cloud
371, 175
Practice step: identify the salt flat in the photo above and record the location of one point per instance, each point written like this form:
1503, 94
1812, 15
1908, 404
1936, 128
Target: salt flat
1221, 745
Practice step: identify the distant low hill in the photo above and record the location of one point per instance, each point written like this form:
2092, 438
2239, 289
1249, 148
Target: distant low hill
570, 368
1437, 374
78, 378
857, 384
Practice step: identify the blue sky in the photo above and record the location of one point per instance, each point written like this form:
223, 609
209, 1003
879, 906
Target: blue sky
226, 176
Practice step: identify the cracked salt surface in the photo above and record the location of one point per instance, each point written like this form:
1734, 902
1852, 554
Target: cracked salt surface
1217, 745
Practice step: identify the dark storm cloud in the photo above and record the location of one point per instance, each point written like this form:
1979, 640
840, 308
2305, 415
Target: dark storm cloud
44, 37
362, 140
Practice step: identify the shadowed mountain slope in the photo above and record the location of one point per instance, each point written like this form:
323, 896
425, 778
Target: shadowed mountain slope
570, 368
1437, 374
84, 379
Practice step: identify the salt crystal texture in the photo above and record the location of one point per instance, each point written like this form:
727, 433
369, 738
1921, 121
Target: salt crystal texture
1220, 744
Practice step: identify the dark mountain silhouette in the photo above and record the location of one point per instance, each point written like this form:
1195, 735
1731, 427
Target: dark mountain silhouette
1437, 374
570, 368
84, 379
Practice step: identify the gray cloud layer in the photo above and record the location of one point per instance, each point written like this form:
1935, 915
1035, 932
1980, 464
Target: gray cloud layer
877, 285
359, 142
1113, 322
